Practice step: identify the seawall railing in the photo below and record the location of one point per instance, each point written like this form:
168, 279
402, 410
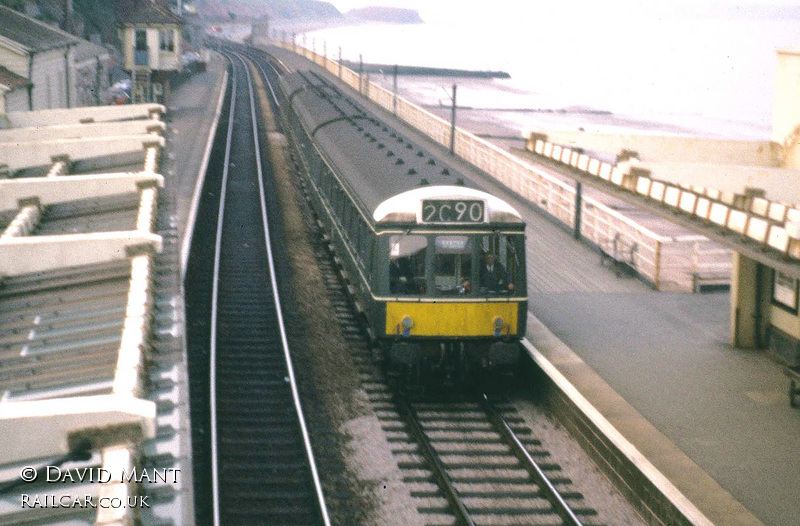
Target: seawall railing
668, 263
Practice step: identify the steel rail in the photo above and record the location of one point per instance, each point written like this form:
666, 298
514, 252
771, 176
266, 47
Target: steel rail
323, 510
214, 311
257, 60
463, 517
551, 493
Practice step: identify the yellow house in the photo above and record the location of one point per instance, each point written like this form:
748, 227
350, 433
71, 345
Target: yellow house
152, 48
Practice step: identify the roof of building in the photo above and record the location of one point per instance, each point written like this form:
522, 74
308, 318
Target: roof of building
89, 50
11, 80
143, 12
31, 34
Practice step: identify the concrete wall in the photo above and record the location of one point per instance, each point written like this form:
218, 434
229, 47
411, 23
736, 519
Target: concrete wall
671, 148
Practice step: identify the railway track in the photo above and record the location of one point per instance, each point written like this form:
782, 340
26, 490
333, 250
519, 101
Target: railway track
455, 454
466, 461
249, 435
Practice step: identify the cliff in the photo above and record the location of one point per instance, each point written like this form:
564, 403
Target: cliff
276, 9
394, 15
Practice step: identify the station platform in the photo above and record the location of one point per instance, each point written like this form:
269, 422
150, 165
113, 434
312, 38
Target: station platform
192, 115
714, 420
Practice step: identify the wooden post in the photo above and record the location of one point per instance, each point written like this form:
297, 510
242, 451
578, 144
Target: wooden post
657, 274
578, 206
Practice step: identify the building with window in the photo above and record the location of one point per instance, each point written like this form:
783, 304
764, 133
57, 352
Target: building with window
151, 48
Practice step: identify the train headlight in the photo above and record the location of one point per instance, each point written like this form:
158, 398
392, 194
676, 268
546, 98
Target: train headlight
407, 323
498, 325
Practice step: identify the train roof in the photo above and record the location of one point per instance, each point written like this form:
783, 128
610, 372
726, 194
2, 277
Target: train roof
378, 165
408, 206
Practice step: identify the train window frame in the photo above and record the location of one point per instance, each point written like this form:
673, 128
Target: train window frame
461, 279
419, 280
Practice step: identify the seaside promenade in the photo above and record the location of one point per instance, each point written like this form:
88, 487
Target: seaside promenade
713, 419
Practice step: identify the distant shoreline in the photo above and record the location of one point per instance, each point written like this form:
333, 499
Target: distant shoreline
425, 71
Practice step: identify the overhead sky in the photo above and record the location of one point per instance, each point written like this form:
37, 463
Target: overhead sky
455, 11
443, 5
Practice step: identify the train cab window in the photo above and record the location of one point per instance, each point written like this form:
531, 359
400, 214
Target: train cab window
407, 264
500, 265
453, 264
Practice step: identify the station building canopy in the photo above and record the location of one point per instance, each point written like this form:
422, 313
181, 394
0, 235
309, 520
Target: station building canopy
78, 202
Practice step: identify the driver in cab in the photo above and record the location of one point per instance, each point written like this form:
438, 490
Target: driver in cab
493, 276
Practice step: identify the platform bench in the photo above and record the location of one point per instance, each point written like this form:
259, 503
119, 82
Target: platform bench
620, 253
794, 389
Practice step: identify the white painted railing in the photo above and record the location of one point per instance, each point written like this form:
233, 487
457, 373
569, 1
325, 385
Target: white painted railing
668, 263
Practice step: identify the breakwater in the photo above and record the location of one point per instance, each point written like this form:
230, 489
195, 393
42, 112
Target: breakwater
388, 69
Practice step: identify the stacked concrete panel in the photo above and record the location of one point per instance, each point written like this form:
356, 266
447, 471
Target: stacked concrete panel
76, 307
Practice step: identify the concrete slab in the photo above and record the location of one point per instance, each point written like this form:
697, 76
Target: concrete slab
27, 119
50, 191
78, 131
94, 151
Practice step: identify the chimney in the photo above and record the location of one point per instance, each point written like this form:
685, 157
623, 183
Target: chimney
67, 24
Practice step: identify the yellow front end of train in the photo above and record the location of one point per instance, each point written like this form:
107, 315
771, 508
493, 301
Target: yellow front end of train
438, 319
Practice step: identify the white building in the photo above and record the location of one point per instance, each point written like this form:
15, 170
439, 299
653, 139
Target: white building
42, 55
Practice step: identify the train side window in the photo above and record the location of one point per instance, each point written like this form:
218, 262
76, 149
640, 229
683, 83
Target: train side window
358, 236
407, 264
326, 181
340, 208
348, 219
365, 239
369, 255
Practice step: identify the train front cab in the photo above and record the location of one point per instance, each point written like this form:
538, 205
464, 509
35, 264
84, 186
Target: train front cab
454, 300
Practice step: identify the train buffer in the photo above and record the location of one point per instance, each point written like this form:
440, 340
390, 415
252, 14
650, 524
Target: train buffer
794, 388
620, 253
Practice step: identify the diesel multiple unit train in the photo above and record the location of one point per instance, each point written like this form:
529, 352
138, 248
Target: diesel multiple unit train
436, 263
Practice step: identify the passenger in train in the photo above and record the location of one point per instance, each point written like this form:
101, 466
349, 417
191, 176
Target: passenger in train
400, 275
493, 275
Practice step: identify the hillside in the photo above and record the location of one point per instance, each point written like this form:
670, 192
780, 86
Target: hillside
395, 15
277, 9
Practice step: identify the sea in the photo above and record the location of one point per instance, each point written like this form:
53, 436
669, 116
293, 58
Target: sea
697, 72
